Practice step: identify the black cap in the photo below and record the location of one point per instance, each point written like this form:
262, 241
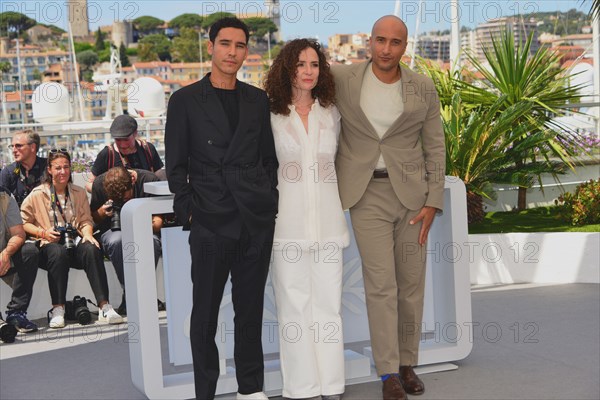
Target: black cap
123, 126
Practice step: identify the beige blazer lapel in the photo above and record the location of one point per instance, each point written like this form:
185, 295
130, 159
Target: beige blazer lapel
355, 81
409, 99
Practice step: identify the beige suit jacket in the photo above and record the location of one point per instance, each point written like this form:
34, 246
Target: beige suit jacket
413, 147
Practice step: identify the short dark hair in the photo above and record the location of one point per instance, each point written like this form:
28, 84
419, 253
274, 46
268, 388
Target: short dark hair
227, 22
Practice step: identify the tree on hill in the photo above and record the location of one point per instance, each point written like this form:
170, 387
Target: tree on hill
212, 18
187, 20
87, 59
99, 45
123, 56
259, 27
5, 67
15, 23
146, 24
185, 46
82, 46
154, 48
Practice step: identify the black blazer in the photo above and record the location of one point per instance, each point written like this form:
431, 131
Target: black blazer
232, 178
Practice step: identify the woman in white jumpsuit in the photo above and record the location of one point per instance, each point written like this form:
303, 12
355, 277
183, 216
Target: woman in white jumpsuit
311, 229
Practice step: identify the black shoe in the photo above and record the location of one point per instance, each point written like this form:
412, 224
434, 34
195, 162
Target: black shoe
161, 306
8, 332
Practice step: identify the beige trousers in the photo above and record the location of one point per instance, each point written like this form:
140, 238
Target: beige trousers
393, 265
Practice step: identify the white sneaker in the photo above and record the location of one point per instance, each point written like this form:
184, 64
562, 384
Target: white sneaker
57, 317
252, 396
108, 314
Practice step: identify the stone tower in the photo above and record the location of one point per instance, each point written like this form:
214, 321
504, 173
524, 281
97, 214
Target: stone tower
274, 13
78, 17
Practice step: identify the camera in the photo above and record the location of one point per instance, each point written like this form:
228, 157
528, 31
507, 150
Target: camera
77, 310
67, 236
115, 220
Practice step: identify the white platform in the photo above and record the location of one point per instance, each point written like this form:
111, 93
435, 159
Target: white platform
448, 302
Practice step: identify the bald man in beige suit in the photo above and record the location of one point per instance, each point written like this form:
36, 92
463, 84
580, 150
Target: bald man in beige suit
390, 167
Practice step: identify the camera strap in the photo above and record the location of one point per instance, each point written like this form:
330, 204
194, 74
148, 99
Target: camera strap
56, 204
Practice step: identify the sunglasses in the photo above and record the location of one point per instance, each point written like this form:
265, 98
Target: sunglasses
61, 151
18, 146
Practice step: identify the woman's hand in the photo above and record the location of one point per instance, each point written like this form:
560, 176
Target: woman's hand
90, 238
52, 235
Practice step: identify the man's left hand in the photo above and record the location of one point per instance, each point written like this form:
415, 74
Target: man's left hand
427, 214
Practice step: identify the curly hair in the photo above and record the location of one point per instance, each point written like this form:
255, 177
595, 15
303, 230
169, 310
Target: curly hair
278, 83
53, 155
117, 181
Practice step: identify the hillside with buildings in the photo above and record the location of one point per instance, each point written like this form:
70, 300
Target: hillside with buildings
174, 52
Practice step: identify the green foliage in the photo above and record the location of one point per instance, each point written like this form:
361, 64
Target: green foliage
87, 58
87, 76
520, 77
476, 141
583, 206
146, 23
82, 46
37, 75
123, 56
212, 18
104, 55
15, 22
5, 67
187, 20
275, 50
259, 26
560, 23
540, 219
154, 48
100, 45
186, 46
132, 52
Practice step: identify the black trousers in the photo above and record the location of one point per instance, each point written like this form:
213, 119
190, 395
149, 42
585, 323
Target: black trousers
25, 266
55, 259
213, 258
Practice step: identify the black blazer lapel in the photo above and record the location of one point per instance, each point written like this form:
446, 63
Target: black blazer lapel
208, 99
247, 117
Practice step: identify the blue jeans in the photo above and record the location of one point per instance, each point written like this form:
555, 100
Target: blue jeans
113, 248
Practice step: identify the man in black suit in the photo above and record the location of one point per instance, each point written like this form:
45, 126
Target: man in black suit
222, 167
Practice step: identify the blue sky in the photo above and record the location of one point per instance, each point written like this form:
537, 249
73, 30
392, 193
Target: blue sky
299, 18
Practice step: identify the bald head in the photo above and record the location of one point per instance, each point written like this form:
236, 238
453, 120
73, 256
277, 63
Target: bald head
388, 44
390, 22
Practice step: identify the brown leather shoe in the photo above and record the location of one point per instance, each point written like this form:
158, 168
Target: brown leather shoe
392, 389
410, 381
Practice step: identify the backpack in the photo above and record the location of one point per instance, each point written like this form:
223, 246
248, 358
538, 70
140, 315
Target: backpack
149, 159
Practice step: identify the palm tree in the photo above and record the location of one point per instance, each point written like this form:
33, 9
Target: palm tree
594, 9
476, 144
514, 76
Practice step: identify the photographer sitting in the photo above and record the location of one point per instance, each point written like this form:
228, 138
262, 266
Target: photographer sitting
110, 191
19, 178
127, 151
12, 237
57, 213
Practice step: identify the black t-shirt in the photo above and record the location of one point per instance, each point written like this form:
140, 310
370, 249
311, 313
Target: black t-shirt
137, 160
13, 178
230, 103
99, 195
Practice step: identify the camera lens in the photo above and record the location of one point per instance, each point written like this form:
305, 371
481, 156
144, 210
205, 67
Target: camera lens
115, 220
